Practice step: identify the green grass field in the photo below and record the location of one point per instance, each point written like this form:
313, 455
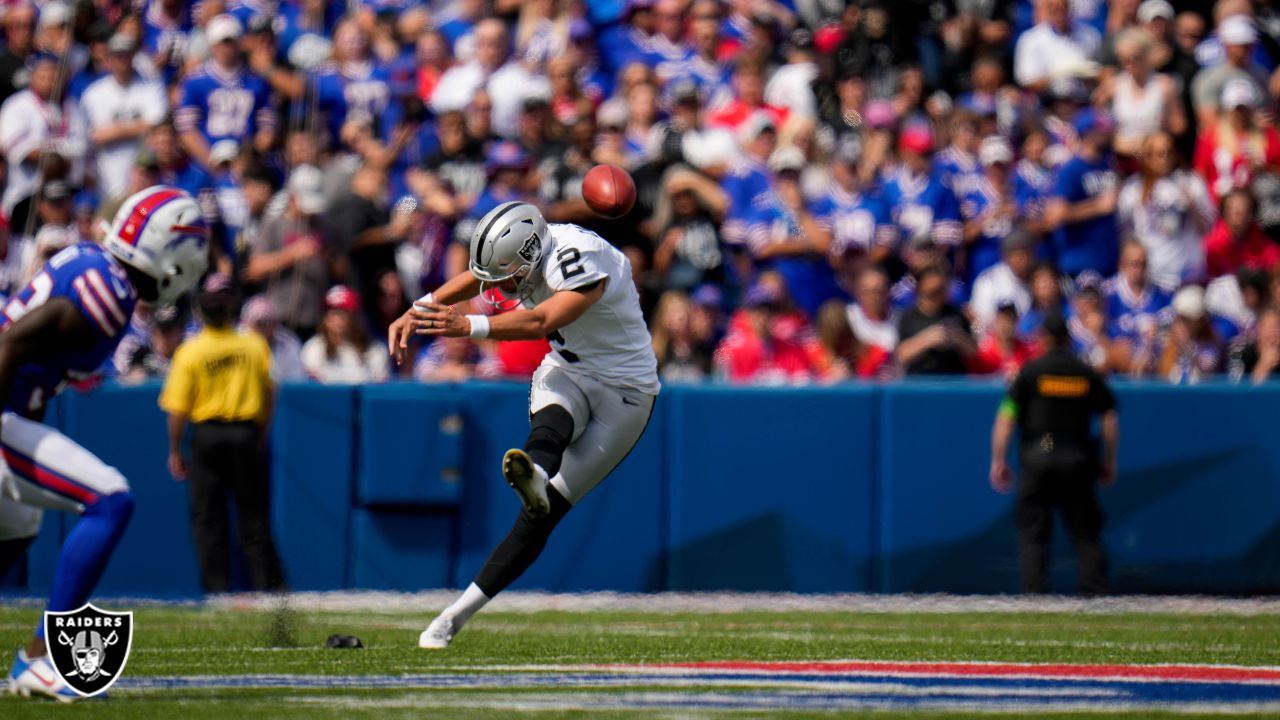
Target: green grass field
228, 641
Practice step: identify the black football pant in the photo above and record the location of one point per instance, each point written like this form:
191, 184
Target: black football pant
1061, 480
226, 460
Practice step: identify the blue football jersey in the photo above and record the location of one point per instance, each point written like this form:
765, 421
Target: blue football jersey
354, 91
99, 288
224, 105
923, 205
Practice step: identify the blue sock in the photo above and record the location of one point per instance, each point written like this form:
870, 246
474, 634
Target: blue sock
86, 552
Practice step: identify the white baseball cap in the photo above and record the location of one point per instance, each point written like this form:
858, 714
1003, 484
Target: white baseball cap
306, 185
222, 28
1151, 9
1237, 30
995, 149
787, 157
1189, 302
55, 13
223, 151
1239, 92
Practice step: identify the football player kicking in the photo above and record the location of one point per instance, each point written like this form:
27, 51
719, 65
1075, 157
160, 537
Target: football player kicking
592, 396
61, 328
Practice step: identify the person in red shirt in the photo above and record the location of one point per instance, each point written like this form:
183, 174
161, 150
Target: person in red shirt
768, 343
1001, 350
1230, 153
1236, 241
748, 88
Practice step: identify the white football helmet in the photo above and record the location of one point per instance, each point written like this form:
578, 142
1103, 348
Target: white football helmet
507, 244
161, 233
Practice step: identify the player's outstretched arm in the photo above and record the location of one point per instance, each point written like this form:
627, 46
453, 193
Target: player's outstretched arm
456, 289
557, 311
53, 327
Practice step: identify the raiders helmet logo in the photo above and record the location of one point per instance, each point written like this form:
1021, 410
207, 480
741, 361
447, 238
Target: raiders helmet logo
529, 251
89, 647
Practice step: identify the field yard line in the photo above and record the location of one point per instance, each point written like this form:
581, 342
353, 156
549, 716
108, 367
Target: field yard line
428, 602
731, 602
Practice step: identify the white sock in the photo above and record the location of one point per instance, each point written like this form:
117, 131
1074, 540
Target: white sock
473, 598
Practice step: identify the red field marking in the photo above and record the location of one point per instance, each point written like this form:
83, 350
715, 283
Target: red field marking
1186, 673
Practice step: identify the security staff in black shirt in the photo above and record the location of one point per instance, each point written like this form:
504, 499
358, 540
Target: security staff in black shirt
1052, 403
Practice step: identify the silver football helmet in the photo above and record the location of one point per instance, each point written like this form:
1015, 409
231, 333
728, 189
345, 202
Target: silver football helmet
506, 245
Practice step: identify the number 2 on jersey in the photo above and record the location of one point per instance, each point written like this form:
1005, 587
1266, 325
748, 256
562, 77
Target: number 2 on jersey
568, 257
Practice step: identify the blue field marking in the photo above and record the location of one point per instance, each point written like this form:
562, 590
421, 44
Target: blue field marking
737, 690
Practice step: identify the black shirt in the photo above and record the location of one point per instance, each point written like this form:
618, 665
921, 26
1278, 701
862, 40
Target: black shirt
943, 360
1055, 397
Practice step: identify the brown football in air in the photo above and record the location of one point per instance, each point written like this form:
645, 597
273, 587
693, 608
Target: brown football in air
608, 191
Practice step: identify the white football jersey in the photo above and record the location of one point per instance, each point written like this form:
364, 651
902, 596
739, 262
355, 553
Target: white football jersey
610, 340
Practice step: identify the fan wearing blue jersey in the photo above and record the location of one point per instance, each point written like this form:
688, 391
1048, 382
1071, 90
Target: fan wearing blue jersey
920, 203
223, 100
352, 87
60, 329
1083, 208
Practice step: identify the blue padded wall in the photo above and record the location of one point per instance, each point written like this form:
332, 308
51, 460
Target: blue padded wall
313, 458
411, 443
770, 489
402, 550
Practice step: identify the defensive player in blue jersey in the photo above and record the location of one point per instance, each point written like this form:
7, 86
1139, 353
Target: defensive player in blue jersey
60, 329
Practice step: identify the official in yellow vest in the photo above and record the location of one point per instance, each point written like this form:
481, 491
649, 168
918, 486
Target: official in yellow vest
220, 383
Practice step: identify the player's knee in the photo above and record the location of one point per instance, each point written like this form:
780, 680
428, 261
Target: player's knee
118, 506
552, 424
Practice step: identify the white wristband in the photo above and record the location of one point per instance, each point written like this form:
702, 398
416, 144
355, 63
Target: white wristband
479, 326
425, 299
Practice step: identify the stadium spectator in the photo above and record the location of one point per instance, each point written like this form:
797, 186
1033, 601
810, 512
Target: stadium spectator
1237, 35
121, 109
1233, 149
1142, 100
748, 100
934, 336
848, 357
1137, 312
871, 318
689, 252
259, 316
223, 99
768, 342
341, 352
1006, 283
506, 81
43, 135
920, 204
1194, 348
450, 360
1261, 358
682, 356
140, 358
288, 260
1236, 241
1083, 207
19, 45
1168, 210
989, 208
1057, 45
1002, 350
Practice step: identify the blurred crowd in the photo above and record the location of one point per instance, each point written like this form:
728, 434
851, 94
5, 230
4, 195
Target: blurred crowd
826, 189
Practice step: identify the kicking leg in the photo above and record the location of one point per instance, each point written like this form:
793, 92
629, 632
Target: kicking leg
517, 551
